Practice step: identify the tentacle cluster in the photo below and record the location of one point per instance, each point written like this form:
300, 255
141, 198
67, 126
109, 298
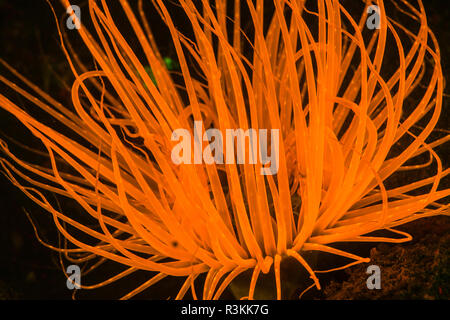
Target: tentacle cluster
309, 69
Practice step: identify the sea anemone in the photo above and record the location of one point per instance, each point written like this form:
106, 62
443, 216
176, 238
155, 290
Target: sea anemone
335, 88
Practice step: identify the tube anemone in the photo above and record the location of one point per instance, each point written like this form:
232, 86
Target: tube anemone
305, 68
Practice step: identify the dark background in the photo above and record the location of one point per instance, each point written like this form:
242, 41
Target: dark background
29, 42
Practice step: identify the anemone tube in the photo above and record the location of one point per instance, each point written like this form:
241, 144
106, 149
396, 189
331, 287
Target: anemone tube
317, 75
